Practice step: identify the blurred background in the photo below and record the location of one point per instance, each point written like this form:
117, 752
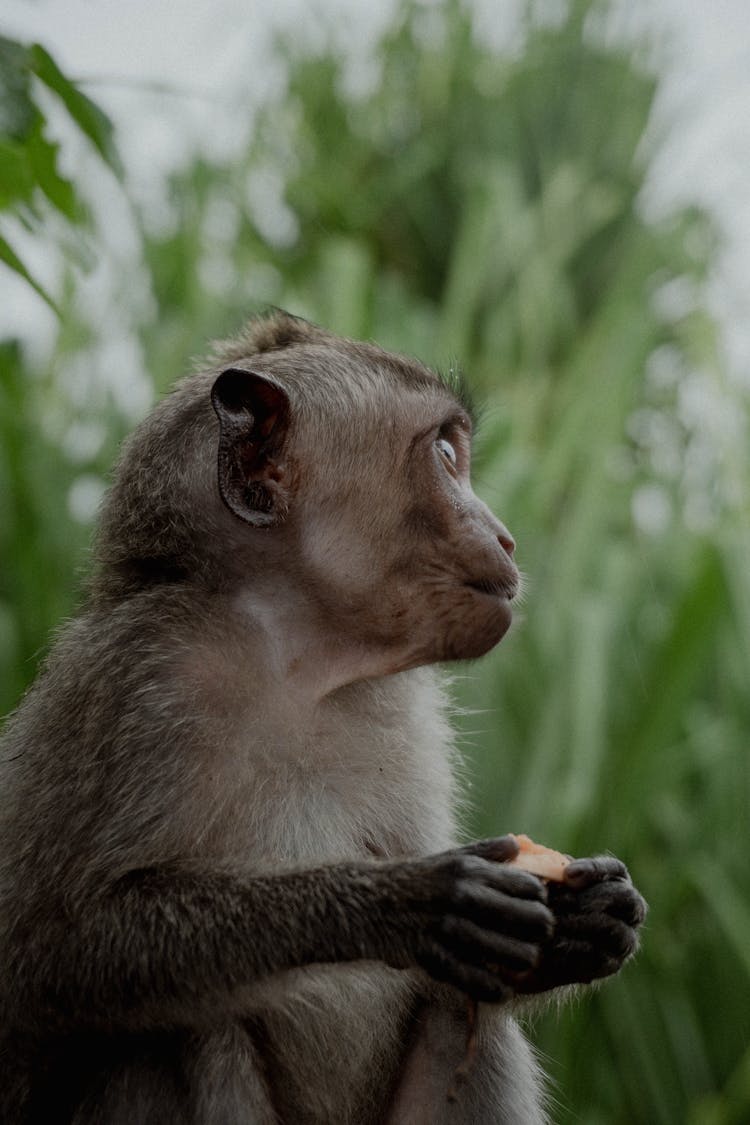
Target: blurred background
554, 194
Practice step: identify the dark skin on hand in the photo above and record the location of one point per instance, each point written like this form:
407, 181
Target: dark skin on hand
594, 912
552, 933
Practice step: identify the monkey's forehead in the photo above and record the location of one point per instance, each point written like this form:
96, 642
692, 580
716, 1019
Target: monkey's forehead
360, 375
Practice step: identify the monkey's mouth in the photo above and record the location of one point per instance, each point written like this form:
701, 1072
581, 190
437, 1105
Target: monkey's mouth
496, 587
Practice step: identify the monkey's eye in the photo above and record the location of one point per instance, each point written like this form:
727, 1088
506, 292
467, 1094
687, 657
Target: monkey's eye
447, 451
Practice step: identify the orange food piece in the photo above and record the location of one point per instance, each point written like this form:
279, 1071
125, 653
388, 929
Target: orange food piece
541, 861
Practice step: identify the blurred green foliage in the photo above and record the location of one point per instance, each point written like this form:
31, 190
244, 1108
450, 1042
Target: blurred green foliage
486, 205
31, 181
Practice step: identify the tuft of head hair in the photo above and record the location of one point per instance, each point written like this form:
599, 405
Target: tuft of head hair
268, 332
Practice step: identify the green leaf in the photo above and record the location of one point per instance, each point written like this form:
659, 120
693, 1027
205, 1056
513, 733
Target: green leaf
42, 156
727, 903
676, 665
16, 179
16, 106
11, 259
90, 119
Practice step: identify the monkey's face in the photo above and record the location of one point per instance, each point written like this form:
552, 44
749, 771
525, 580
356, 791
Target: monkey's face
364, 503
403, 555
459, 563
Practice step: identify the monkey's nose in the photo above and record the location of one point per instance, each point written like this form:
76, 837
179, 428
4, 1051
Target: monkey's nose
506, 541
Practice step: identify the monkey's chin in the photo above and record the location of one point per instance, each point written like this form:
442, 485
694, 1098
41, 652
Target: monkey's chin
482, 628
499, 621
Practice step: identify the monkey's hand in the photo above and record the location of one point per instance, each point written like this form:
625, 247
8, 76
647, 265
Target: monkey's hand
470, 920
597, 914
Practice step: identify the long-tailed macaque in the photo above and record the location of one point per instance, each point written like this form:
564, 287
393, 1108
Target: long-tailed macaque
232, 887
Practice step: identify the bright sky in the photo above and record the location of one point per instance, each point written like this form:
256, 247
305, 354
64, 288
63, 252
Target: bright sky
216, 59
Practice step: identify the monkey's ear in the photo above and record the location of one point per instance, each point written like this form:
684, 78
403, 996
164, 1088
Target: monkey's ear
253, 413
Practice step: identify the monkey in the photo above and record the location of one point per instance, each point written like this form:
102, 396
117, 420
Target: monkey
233, 883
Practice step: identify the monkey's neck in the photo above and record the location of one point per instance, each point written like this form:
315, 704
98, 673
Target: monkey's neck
320, 766
300, 656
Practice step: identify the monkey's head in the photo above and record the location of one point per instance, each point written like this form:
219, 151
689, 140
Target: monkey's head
317, 472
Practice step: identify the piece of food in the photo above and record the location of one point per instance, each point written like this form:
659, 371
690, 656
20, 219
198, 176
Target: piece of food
541, 861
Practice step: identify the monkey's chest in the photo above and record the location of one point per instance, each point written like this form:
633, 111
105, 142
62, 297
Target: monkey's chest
300, 816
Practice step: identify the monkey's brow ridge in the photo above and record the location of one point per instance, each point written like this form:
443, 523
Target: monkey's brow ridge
457, 383
453, 380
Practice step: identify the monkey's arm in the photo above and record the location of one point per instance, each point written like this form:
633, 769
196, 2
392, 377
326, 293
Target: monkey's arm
165, 947
597, 915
